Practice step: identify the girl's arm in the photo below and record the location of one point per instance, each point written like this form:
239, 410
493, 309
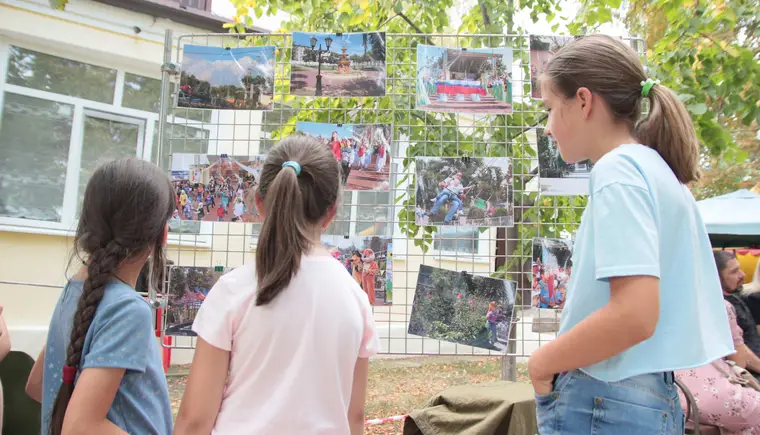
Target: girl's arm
88, 408
205, 387
34, 381
629, 318
358, 396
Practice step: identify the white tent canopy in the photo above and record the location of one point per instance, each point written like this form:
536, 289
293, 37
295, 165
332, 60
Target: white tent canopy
732, 219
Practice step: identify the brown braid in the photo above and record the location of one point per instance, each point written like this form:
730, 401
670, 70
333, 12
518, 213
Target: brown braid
100, 270
113, 229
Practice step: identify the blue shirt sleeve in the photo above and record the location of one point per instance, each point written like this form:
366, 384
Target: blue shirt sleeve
626, 239
121, 336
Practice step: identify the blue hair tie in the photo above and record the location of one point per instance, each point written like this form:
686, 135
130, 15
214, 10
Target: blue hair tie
296, 167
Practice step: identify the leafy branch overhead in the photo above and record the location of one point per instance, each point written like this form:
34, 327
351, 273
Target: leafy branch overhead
706, 51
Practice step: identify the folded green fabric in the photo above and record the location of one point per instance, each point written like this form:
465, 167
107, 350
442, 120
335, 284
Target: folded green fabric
503, 408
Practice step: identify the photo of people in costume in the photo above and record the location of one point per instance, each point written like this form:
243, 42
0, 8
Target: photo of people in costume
187, 289
368, 260
227, 78
556, 176
466, 80
551, 269
464, 191
338, 64
462, 308
363, 150
215, 188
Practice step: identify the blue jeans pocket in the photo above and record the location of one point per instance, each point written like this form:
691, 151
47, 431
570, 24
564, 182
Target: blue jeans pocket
619, 418
546, 404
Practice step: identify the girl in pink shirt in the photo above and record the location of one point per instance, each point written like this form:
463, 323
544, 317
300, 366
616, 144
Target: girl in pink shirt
283, 344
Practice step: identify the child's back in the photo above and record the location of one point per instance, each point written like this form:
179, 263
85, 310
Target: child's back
120, 336
292, 361
284, 349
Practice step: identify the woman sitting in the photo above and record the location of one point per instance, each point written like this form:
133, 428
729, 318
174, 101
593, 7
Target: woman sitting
733, 407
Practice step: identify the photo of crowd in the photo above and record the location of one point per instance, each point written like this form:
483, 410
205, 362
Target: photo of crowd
551, 269
363, 150
215, 188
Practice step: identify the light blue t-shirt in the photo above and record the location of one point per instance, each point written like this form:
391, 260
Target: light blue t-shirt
640, 220
121, 336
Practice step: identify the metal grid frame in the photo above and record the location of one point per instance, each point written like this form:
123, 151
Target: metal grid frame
415, 133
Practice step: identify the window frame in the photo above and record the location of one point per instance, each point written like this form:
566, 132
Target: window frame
81, 108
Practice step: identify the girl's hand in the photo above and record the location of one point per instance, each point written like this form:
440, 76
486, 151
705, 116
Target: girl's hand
543, 383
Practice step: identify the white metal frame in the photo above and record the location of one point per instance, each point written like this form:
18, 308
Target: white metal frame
82, 107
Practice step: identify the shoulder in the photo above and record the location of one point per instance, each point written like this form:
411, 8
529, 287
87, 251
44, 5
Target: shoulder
122, 305
625, 165
237, 283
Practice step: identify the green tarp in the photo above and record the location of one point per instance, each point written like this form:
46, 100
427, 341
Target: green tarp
498, 408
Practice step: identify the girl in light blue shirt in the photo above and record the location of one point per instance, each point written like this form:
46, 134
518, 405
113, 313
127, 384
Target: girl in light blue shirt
644, 298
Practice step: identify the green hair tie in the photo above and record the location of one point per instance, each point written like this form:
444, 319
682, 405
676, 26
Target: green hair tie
647, 86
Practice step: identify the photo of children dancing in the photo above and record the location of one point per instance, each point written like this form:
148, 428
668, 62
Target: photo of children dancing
215, 188
551, 269
363, 151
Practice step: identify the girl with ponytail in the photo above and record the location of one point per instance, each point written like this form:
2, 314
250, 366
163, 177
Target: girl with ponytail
644, 299
283, 344
101, 368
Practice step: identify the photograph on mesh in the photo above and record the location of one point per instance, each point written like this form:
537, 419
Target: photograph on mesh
462, 308
363, 151
368, 261
227, 78
338, 64
187, 289
556, 176
542, 48
464, 191
215, 188
464, 80
552, 267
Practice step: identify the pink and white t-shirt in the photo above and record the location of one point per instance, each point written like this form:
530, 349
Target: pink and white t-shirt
292, 360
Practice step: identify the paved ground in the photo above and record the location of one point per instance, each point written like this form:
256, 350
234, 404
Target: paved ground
303, 81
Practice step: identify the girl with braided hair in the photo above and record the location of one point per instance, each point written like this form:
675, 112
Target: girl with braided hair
101, 368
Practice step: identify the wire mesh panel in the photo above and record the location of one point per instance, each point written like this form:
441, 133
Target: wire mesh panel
392, 214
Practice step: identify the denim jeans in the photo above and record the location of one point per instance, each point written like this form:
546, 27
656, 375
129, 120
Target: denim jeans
640, 405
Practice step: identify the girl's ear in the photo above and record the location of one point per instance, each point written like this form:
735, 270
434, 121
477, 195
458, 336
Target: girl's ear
585, 99
330, 215
259, 203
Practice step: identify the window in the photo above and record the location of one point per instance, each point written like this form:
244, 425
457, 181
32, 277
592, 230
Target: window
33, 160
462, 240
107, 137
61, 118
374, 213
204, 5
44, 72
142, 93
179, 138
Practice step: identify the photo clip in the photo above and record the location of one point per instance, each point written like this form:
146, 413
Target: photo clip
339, 125
218, 268
466, 158
463, 48
346, 237
339, 34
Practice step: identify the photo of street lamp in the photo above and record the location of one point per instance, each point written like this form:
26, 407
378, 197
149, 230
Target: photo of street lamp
328, 43
355, 69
